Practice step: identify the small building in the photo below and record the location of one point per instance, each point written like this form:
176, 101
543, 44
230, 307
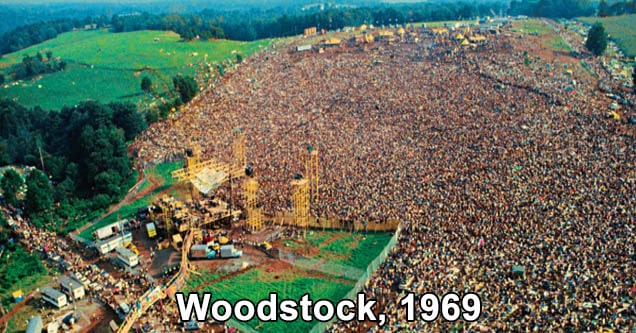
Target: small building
106, 245
127, 257
303, 48
54, 296
35, 325
72, 288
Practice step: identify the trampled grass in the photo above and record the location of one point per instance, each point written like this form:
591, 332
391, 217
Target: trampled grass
257, 284
622, 30
109, 66
356, 250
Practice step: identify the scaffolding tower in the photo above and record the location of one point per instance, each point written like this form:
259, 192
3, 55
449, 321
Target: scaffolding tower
239, 158
254, 219
300, 202
311, 169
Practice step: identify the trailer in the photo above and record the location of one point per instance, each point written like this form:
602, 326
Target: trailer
35, 325
109, 230
126, 256
54, 297
105, 246
73, 289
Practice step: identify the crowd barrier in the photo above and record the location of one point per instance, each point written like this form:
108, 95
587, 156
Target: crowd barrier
321, 327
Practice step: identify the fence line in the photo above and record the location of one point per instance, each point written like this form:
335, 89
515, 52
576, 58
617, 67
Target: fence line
372, 267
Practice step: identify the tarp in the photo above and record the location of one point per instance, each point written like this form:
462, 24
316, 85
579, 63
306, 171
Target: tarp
207, 180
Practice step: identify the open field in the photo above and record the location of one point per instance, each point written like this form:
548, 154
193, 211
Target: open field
622, 30
314, 275
108, 67
436, 24
157, 180
531, 27
289, 282
349, 249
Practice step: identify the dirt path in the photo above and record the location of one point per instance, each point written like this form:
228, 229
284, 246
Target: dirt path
133, 195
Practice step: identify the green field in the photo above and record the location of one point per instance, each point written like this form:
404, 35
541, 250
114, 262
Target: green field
331, 247
355, 249
622, 30
532, 27
108, 66
256, 284
160, 174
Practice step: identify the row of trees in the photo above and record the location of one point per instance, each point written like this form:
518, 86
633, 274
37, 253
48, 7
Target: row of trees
82, 149
31, 66
616, 8
27, 35
552, 8
268, 24
188, 26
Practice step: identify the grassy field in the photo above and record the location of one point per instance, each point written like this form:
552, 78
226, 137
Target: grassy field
108, 67
622, 30
356, 250
27, 285
531, 27
289, 283
344, 248
159, 176
437, 24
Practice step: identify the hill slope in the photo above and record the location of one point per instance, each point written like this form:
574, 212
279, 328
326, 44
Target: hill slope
109, 67
622, 30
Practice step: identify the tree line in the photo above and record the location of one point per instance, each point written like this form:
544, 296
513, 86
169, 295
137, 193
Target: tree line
188, 26
267, 23
31, 34
616, 8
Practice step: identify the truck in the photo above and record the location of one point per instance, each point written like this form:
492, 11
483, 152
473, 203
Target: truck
214, 251
152, 230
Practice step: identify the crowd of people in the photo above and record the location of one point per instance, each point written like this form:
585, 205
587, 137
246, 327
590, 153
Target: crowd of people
491, 158
77, 260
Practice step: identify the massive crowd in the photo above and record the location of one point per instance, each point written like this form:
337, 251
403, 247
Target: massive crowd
491, 158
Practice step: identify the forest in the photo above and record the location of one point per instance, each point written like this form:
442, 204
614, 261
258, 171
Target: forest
82, 149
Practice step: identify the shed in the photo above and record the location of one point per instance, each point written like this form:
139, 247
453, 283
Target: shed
35, 325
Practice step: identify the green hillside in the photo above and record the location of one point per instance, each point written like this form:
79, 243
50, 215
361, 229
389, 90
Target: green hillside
108, 67
622, 30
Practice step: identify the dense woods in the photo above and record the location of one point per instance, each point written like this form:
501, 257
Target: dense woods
82, 149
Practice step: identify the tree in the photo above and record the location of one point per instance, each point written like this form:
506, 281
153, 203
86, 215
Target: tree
603, 9
146, 84
126, 117
11, 184
49, 55
596, 39
186, 86
1, 78
239, 58
39, 194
